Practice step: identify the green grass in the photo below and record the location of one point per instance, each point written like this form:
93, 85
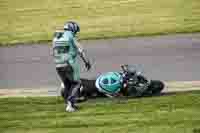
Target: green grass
35, 20
167, 114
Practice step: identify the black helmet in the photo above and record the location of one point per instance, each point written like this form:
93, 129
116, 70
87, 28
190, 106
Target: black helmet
72, 26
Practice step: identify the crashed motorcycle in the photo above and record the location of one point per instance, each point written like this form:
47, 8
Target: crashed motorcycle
134, 84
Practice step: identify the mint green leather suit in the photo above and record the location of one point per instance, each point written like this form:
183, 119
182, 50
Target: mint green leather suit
65, 52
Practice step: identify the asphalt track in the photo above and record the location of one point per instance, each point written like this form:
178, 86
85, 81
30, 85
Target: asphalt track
168, 58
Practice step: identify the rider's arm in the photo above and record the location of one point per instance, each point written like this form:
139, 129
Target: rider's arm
81, 51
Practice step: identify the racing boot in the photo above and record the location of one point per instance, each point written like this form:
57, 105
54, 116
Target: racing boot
71, 105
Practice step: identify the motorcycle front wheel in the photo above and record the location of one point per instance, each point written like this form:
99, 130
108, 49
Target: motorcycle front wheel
155, 87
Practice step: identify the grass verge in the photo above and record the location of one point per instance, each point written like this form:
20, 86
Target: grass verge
167, 114
35, 20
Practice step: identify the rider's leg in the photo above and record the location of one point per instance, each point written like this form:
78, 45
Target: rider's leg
64, 74
74, 92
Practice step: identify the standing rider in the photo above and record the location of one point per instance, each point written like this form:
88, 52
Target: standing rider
65, 51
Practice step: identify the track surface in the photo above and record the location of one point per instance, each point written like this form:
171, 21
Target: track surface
168, 58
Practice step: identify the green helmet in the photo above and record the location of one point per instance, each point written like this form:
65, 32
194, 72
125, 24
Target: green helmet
109, 83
